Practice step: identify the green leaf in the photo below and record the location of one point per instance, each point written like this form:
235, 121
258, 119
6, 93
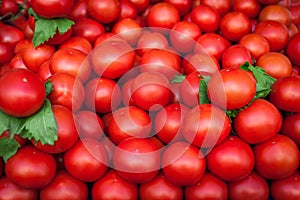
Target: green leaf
48, 87
178, 79
203, 96
4, 125
15, 125
9, 147
42, 125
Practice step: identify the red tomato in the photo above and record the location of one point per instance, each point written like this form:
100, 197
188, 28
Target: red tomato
127, 9
251, 8
183, 6
222, 7
59, 38
104, 11
10, 35
112, 186
64, 186
209, 187
31, 168
79, 10
251, 187
291, 127
9, 7
102, 95
141, 5
151, 40
277, 157
293, 49
206, 18
225, 88
277, 13
206, 126
79, 43
285, 93
10, 190
44, 71
67, 133
286, 188
128, 122
259, 122
22, 93
160, 188
137, 160
86, 154
231, 160
183, 164
235, 56
6, 53
52, 9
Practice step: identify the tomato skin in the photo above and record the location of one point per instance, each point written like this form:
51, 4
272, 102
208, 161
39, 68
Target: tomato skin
10, 35
151, 40
104, 11
127, 9
6, 53
251, 187
277, 157
23, 88
31, 168
64, 186
235, 56
160, 188
293, 49
209, 187
286, 188
112, 186
52, 9
10, 190
9, 6
277, 13
222, 7
291, 127
259, 122
79, 43
183, 164
86, 154
285, 93
79, 10
249, 7
231, 160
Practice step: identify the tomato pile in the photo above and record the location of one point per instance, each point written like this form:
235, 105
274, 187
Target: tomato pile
149, 99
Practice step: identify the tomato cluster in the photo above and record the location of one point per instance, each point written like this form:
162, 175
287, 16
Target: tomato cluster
152, 99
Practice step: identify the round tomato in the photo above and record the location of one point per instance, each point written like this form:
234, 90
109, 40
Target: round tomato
52, 9
6, 53
277, 13
291, 127
127, 9
9, 7
104, 11
189, 89
293, 49
44, 71
222, 7
10, 35
22, 93
249, 7
235, 56
79, 43
31, 168
151, 40
79, 11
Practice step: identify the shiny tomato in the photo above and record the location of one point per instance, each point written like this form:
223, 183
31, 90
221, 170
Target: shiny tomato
79, 43
189, 89
6, 53
151, 40
127, 9
9, 7
44, 71
10, 34
291, 127
222, 7
251, 8
293, 49
277, 13
104, 11
183, 6
79, 10
52, 9
235, 56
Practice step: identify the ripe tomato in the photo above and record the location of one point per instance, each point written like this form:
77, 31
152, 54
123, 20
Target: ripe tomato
235, 56
127, 9
293, 49
277, 13
86, 154
151, 40
222, 7
104, 11
277, 157
259, 122
225, 88
79, 10
64, 186
6, 53
52, 9
10, 35
251, 187
44, 71
79, 43
137, 160
209, 187
231, 160
160, 188
22, 93
31, 168
112, 186
183, 164
9, 7
251, 8
10, 190
285, 93
291, 127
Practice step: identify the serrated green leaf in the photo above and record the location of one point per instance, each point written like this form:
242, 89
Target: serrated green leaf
9, 147
42, 125
203, 96
63, 24
15, 125
178, 79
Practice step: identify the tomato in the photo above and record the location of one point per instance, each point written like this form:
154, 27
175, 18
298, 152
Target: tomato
79, 10
9, 7
277, 157
104, 11
275, 32
141, 5
235, 56
128, 122
112, 58
189, 89
10, 35
256, 44
102, 95
59, 38
154, 85
275, 64
206, 18
137, 160
251, 8
52, 9
151, 40
222, 7
18, 138
293, 49
33, 57
225, 88
67, 133
234, 25
64, 186
112, 186
291, 127
160, 188
10, 190
286, 188
6, 53
86, 154
127, 9
31, 168
251, 187
163, 15
79, 43
70, 61
44, 71
283, 15
259, 122
231, 160
285, 93
67, 91
22, 93
267, 2
209, 187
